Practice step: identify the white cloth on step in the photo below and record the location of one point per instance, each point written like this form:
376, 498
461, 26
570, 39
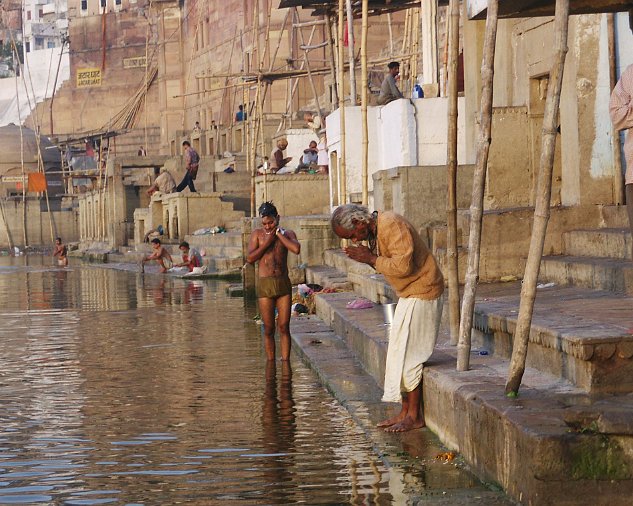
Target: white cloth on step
412, 338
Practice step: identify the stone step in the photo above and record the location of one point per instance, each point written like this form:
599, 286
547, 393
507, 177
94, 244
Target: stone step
328, 277
438, 237
471, 414
614, 216
462, 262
227, 239
601, 242
364, 279
589, 272
583, 336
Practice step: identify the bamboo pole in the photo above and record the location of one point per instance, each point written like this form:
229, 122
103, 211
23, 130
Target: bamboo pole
451, 155
307, 63
479, 181
59, 63
350, 52
17, 95
342, 177
618, 178
542, 206
334, 96
253, 149
363, 108
390, 26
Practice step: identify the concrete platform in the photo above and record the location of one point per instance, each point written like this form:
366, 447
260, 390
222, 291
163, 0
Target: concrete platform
554, 444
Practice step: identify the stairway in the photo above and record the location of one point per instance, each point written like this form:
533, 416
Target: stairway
596, 258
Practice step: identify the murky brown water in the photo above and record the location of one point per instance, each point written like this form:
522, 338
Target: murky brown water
123, 388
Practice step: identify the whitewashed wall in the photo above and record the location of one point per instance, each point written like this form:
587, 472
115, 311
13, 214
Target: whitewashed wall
402, 133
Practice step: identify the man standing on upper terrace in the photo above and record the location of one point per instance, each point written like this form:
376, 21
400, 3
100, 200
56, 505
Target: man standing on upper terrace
397, 251
621, 109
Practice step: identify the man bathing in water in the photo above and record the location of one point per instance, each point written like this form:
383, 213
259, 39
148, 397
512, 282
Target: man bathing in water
160, 255
60, 252
269, 246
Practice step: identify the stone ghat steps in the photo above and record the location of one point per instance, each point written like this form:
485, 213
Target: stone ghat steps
551, 445
602, 242
579, 335
583, 336
598, 273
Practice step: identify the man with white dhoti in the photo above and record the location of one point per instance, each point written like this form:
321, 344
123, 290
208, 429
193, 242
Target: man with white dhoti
397, 251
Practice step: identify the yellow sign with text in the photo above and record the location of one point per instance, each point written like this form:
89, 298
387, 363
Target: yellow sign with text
88, 77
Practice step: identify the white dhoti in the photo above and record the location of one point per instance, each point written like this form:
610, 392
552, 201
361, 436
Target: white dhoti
412, 338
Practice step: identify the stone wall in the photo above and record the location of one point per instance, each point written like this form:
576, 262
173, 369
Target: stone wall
38, 224
294, 194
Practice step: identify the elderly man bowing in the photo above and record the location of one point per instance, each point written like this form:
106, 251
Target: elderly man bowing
397, 251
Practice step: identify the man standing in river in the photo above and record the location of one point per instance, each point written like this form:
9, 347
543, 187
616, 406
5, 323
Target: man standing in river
269, 246
397, 251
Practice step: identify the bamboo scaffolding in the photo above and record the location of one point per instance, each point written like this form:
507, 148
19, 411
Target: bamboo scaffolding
451, 156
363, 109
479, 181
543, 197
307, 65
350, 52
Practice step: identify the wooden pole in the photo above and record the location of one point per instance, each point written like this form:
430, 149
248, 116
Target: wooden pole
363, 108
334, 97
59, 63
542, 206
479, 181
350, 52
618, 177
307, 63
390, 25
341, 106
451, 156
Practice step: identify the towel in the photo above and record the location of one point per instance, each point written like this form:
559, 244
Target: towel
412, 338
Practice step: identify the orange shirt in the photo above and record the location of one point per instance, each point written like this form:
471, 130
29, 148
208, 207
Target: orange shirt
406, 262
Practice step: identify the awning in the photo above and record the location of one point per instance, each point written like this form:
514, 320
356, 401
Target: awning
532, 8
376, 7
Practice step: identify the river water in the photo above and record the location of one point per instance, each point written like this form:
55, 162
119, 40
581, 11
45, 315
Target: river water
123, 388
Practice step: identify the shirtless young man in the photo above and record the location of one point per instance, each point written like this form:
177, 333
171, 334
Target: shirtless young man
60, 251
161, 255
269, 246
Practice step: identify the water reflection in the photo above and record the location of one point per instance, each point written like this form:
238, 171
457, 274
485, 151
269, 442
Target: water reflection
146, 389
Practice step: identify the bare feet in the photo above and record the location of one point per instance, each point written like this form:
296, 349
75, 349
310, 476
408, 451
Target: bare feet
406, 425
392, 421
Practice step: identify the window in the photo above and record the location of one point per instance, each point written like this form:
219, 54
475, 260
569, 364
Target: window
28, 46
50, 44
117, 2
28, 15
84, 5
103, 3
41, 13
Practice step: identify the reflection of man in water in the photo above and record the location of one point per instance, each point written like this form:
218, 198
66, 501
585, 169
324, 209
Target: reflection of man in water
60, 252
278, 424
